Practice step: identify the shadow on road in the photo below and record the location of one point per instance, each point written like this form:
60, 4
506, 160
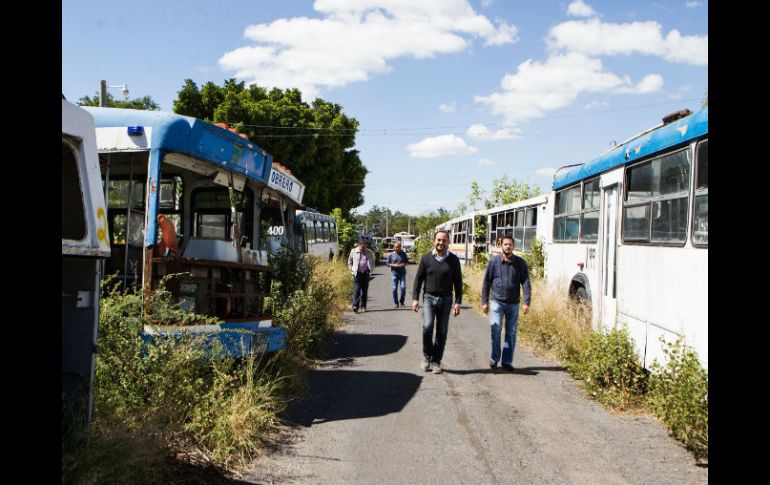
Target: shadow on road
527, 371
335, 395
344, 345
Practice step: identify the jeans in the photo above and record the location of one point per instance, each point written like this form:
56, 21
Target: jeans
360, 289
496, 312
435, 309
396, 281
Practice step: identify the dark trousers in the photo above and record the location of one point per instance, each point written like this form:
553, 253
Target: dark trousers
360, 289
435, 310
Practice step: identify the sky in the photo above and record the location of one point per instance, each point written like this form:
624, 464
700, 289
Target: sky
446, 92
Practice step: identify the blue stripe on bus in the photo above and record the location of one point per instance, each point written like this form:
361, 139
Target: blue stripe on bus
678, 132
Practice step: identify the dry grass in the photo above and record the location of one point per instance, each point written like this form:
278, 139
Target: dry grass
554, 326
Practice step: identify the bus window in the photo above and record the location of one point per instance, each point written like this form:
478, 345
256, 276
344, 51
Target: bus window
518, 231
212, 216
567, 215
589, 228
73, 212
700, 229
530, 228
658, 191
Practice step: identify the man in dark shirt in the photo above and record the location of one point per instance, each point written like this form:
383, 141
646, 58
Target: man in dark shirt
397, 261
506, 275
440, 271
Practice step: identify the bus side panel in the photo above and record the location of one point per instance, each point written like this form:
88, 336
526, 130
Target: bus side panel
673, 298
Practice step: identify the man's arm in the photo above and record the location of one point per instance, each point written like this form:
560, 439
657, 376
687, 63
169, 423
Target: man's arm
419, 277
527, 287
458, 281
485, 286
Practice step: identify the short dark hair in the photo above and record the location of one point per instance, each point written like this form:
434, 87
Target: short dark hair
444, 231
508, 237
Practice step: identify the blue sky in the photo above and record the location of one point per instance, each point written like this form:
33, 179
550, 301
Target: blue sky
446, 91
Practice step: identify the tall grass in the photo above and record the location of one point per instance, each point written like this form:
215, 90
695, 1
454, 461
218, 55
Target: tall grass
161, 403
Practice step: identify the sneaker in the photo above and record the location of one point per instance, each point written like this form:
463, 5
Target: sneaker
508, 367
492, 364
437, 368
425, 365
355, 309
363, 310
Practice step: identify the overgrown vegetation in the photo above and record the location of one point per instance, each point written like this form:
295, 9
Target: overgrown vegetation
679, 396
165, 403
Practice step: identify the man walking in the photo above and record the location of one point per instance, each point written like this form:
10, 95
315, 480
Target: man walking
440, 271
506, 275
397, 261
360, 263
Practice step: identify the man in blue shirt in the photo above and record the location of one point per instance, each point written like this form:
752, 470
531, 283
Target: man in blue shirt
397, 262
506, 275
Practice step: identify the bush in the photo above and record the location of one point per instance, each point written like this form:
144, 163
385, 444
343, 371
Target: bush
679, 396
610, 370
535, 259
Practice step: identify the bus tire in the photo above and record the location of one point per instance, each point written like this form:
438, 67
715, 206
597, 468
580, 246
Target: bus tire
581, 297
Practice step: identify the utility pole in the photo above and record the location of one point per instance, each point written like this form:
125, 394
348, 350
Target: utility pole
386, 224
102, 93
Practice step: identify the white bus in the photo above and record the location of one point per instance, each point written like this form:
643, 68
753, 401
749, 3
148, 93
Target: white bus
523, 220
462, 229
317, 233
84, 246
630, 235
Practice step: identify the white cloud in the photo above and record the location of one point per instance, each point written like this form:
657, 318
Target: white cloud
538, 87
579, 8
486, 162
486, 3
546, 172
693, 4
356, 39
481, 132
440, 146
596, 38
448, 107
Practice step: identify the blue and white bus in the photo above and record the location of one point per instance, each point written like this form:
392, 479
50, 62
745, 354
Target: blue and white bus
213, 185
630, 235
317, 234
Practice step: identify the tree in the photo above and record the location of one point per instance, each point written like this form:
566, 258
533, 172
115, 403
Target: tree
505, 192
477, 195
346, 232
146, 102
315, 141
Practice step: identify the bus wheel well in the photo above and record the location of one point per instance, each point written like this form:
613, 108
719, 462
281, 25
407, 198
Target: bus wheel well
579, 293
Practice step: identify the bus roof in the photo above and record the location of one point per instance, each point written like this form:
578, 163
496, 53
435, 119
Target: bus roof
536, 200
648, 142
196, 138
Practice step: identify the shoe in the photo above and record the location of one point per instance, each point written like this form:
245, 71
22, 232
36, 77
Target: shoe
437, 368
355, 309
492, 364
363, 310
425, 365
508, 367
396, 308
402, 304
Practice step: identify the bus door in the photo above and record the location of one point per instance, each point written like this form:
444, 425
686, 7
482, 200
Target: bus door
609, 251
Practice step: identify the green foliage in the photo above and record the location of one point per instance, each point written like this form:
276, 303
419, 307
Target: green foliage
679, 396
291, 271
423, 246
610, 370
166, 311
346, 231
146, 103
535, 259
314, 140
505, 192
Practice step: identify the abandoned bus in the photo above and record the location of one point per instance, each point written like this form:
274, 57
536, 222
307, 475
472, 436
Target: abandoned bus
186, 196
630, 235
522, 220
84, 246
317, 234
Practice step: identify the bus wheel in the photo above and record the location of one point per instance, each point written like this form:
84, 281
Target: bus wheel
581, 297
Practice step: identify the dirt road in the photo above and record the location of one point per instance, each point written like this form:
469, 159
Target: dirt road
371, 415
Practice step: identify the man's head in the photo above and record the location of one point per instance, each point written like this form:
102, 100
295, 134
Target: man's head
397, 246
508, 245
441, 241
361, 242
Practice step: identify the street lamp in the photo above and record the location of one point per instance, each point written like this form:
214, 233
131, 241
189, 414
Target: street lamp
103, 92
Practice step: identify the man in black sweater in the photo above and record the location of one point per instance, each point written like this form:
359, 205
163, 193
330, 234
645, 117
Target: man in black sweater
440, 271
